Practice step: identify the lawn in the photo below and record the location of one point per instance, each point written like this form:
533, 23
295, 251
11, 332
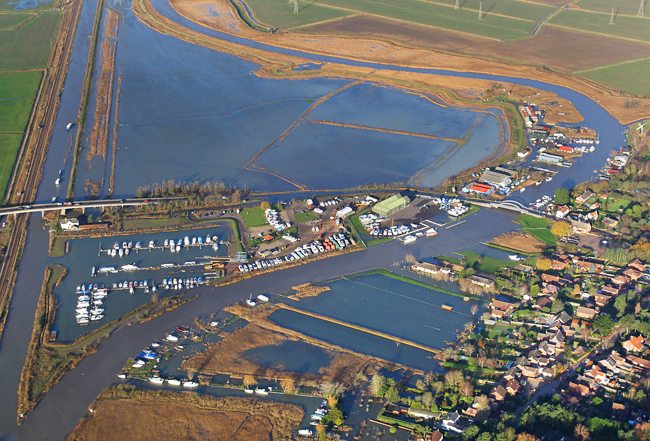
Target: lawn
614, 205
486, 264
629, 77
28, 46
134, 224
253, 217
11, 20
304, 217
17, 92
627, 27
10, 145
537, 227
501, 20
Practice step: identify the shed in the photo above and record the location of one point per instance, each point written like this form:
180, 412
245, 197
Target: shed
391, 205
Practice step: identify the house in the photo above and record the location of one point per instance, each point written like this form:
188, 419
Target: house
562, 212
579, 390
430, 268
632, 274
620, 280
595, 206
634, 344
436, 435
543, 302
500, 308
484, 282
584, 197
639, 362
637, 265
69, 224
610, 223
450, 423
513, 387
498, 393
586, 313
558, 265
424, 414
580, 227
610, 290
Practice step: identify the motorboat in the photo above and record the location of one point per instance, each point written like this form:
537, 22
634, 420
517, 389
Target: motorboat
156, 380
190, 384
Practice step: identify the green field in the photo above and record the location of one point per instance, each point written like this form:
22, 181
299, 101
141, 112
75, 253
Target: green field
11, 20
28, 46
486, 264
10, 144
253, 217
629, 77
301, 218
537, 227
635, 28
17, 94
622, 7
501, 20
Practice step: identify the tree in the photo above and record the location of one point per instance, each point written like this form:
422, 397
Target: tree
265, 206
561, 229
420, 384
466, 389
288, 386
437, 386
331, 389
561, 196
377, 384
469, 349
491, 363
453, 378
322, 435
620, 303
249, 380
392, 396
534, 290
470, 433
557, 306
427, 399
481, 359
543, 265
527, 437
90, 218
474, 309
581, 432
604, 325
642, 432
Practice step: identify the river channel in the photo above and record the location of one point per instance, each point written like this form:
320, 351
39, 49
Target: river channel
62, 407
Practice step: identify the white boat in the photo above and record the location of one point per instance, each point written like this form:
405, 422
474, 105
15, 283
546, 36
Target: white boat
431, 232
69, 126
178, 248
96, 311
190, 384
151, 244
83, 298
410, 239
172, 337
522, 190
549, 179
129, 267
113, 252
81, 310
99, 295
121, 252
186, 240
260, 391
82, 320
215, 246
121, 376
83, 304
305, 432
129, 245
174, 382
156, 380
96, 317
249, 391
98, 302
126, 252
514, 257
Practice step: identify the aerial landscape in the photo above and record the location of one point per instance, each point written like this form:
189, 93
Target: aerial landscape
316, 219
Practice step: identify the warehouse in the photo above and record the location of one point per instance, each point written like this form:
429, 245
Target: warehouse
391, 205
551, 159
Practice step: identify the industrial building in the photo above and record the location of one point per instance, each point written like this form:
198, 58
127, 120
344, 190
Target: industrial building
551, 159
391, 205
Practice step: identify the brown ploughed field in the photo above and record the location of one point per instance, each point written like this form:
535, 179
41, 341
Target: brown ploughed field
523, 242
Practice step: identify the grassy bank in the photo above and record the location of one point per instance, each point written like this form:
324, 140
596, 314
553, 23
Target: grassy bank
139, 413
537, 227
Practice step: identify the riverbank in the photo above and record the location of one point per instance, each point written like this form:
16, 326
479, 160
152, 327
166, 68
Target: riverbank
181, 415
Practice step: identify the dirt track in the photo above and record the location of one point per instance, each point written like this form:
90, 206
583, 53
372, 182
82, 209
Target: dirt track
365, 49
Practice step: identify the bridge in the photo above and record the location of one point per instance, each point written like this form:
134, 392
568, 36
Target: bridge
63, 207
509, 205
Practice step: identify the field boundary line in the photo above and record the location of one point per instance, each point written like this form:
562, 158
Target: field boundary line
597, 33
486, 14
606, 66
325, 21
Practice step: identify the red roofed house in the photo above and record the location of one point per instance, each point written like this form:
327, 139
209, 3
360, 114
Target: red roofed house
634, 344
578, 389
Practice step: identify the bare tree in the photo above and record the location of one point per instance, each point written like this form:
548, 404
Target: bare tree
469, 349
466, 389
469, 326
482, 402
377, 383
288, 386
438, 386
420, 385
481, 359
585, 333
454, 378
331, 389
427, 399
410, 258
474, 309
581, 432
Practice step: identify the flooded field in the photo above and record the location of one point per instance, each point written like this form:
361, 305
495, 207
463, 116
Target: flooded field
154, 266
292, 356
356, 340
385, 304
207, 133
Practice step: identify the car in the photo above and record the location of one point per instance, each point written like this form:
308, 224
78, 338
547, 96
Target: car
122, 201
68, 203
59, 203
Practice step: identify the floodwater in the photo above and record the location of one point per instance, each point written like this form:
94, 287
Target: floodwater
394, 307
223, 116
357, 341
290, 356
84, 254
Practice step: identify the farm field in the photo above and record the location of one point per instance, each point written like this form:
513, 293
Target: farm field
28, 46
10, 143
633, 28
18, 91
14, 5
503, 20
622, 7
630, 77
11, 20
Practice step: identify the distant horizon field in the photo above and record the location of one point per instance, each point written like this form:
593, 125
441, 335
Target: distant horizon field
10, 20
505, 20
625, 7
634, 28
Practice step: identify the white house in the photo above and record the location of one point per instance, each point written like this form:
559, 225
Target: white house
70, 224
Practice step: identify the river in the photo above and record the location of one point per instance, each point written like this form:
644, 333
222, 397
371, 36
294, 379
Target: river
62, 407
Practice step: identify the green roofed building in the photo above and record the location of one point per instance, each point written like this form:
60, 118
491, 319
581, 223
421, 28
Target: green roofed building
391, 205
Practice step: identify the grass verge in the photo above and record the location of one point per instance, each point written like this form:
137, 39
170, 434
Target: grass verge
537, 227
